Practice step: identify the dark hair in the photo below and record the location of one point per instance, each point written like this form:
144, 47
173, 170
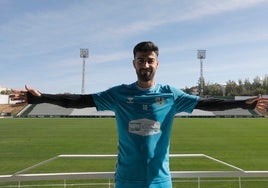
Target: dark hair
146, 46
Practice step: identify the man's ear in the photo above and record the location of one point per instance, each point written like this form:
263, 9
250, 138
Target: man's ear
158, 63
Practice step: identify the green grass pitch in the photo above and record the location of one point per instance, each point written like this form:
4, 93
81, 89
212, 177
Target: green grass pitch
242, 142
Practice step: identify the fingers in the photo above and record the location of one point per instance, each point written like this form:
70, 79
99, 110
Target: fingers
18, 95
32, 91
252, 100
27, 87
21, 96
262, 106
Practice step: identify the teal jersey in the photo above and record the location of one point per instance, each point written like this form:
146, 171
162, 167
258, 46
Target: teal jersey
144, 119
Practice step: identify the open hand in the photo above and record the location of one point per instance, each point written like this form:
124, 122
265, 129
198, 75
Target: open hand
21, 95
262, 106
259, 104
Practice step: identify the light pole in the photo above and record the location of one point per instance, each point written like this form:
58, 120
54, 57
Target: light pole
201, 54
84, 55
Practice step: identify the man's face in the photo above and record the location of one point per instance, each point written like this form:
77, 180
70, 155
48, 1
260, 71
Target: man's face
145, 64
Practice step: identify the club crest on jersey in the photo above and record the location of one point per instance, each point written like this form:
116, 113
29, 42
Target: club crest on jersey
160, 100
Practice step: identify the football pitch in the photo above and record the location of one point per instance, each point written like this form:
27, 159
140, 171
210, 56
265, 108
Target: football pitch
242, 142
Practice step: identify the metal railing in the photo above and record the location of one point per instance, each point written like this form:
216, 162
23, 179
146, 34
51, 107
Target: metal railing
21, 175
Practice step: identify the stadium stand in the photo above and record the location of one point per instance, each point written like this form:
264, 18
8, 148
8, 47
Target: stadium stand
196, 113
238, 112
50, 110
46, 110
8, 110
91, 112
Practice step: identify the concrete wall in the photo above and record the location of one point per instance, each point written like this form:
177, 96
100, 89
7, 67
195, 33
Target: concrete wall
4, 99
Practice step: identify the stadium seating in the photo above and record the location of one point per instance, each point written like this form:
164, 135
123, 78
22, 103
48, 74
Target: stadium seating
10, 109
46, 110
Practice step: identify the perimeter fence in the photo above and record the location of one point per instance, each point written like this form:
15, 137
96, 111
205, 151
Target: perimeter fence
235, 178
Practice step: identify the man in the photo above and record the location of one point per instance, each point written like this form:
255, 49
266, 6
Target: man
144, 114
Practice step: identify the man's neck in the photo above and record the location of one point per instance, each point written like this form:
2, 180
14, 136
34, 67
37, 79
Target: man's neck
146, 85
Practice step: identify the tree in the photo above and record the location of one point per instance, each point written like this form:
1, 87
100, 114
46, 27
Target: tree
6, 92
232, 88
265, 84
247, 88
213, 90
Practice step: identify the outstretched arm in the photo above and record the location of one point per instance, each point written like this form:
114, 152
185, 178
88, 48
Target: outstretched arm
33, 96
213, 104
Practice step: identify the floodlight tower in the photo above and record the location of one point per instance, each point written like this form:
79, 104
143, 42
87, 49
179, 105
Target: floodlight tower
84, 55
201, 55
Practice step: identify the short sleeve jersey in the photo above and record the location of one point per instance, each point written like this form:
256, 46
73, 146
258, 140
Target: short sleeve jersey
144, 120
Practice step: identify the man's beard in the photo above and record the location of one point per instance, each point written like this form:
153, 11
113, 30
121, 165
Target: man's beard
145, 75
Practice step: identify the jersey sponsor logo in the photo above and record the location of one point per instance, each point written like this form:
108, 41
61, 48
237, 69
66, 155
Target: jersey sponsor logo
144, 127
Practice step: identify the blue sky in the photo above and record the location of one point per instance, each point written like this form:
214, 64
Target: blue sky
40, 41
